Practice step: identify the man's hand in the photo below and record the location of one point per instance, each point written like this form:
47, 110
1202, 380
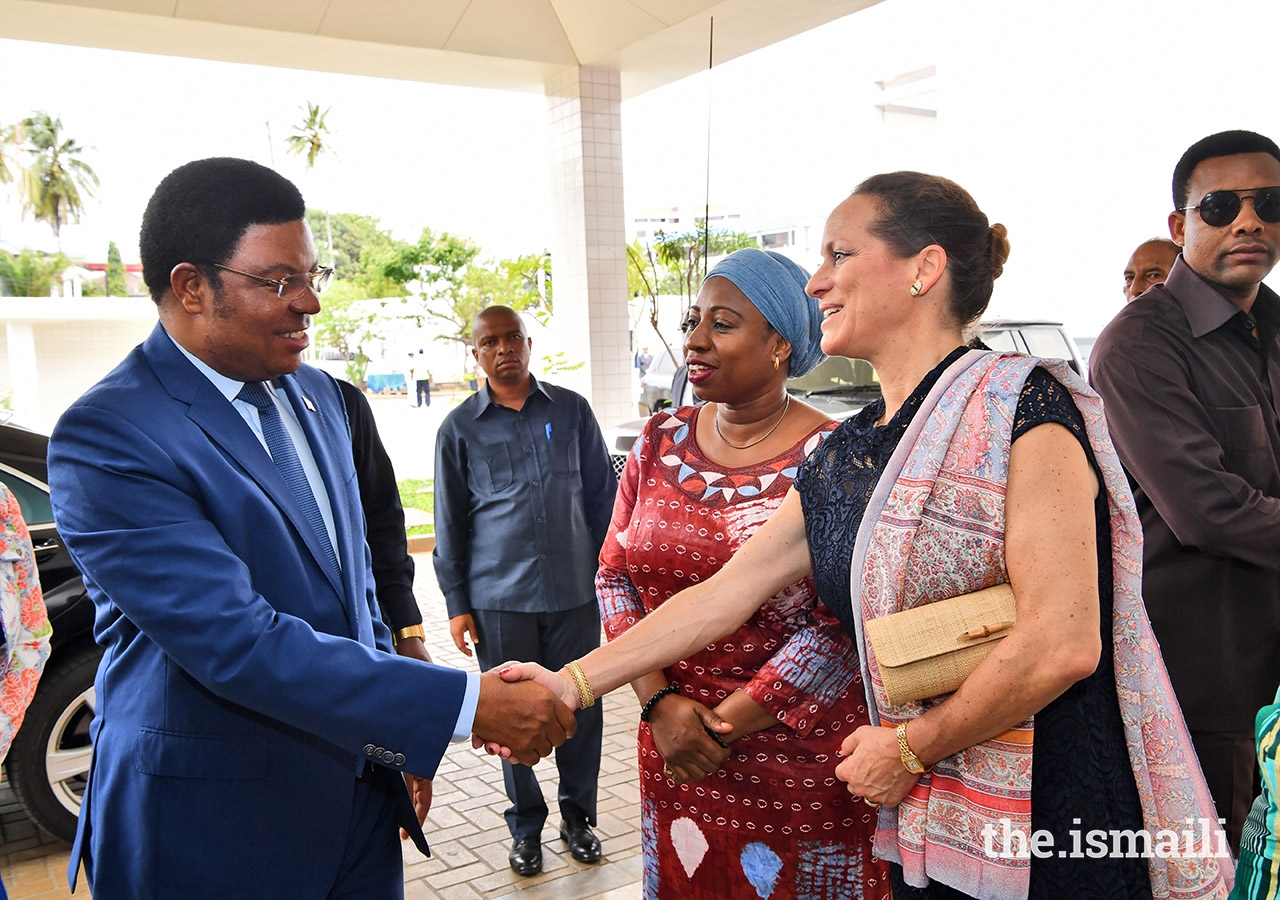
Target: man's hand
873, 769
413, 648
459, 628
558, 683
420, 790
680, 736
523, 716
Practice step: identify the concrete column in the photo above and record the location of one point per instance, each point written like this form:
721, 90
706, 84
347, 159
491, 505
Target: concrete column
588, 244
24, 376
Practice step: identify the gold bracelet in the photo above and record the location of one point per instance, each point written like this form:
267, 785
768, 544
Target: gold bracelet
586, 697
409, 631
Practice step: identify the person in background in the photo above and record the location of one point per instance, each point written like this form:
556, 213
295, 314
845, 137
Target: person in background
682, 393
393, 567
1149, 264
788, 679
523, 492
422, 381
25, 622
1191, 380
1258, 873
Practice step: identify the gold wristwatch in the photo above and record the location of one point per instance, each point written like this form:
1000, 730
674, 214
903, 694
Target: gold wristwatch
409, 631
910, 761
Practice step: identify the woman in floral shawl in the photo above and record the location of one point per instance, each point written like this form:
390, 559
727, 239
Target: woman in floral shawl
975, 468
25, 622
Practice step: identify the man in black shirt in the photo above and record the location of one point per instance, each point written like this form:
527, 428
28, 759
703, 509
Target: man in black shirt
1191, 377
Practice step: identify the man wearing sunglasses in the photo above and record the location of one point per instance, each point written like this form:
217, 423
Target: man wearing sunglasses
1191, 380
253, 730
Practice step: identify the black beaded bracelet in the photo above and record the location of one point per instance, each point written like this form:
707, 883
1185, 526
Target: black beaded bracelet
715, 737
647, 710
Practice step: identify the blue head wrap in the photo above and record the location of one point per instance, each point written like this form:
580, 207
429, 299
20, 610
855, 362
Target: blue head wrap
775, 285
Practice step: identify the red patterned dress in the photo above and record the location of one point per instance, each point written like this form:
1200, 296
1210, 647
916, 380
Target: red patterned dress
773, 822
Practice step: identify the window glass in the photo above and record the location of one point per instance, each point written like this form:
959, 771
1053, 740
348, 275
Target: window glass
1046, 343
1000, 340
33, 502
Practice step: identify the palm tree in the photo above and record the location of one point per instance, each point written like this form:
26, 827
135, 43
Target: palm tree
310, 138
56, 177
10, 143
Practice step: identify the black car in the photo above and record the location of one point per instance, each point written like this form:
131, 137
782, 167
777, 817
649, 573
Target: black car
48, 761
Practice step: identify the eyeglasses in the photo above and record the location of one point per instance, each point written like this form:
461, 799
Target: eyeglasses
1218, 208
290, 287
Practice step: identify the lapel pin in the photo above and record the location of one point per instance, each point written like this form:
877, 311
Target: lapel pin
307, 400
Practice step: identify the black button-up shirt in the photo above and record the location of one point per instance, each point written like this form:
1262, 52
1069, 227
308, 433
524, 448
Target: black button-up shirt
1190, 383
522, 503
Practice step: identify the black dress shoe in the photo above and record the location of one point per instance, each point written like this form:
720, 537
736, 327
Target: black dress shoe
526, 856
583, 845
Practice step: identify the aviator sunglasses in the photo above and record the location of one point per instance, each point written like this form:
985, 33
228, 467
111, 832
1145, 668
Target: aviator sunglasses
1218, 208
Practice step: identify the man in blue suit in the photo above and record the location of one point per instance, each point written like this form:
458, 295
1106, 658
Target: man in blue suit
253, 733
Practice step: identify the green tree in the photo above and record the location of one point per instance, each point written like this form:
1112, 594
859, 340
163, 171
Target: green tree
116, 284
528, 280
348, 323
31, 274
430, 277
56, 177
310, 139
675, 264
684, 256
11, 139
506, 282
644, 280
353, 237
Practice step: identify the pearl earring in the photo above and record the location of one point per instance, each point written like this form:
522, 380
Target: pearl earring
915, 289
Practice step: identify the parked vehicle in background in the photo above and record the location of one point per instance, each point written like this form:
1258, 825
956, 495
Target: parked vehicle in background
1085, 346
655, 383
840, 387
48, 761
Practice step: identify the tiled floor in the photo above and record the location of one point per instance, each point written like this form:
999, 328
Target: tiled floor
468, 836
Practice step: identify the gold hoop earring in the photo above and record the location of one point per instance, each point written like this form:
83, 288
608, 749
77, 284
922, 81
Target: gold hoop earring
776, 363
916, 288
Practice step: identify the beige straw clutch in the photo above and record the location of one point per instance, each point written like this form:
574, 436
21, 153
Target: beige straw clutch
931, 649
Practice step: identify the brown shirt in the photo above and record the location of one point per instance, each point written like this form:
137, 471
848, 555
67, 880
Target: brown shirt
1191, 402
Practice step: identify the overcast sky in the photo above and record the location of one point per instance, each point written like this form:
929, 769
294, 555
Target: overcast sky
1064, 120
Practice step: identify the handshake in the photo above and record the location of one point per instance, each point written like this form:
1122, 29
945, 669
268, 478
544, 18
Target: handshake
524, 711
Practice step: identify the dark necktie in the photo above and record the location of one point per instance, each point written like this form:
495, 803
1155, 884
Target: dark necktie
285, 456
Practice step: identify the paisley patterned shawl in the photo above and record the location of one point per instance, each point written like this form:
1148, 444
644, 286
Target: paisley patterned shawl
934, 528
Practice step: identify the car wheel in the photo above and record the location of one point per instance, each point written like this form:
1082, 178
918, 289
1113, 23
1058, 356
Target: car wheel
48, 762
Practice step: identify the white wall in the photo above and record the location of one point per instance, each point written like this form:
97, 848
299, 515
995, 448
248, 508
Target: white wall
56, 349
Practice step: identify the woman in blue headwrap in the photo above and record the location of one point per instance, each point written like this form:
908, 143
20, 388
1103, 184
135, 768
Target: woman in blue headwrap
756, 811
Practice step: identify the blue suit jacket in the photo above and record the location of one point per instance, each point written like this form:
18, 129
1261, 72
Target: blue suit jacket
243, 684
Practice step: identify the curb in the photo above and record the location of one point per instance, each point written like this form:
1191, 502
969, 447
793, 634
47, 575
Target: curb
422, 543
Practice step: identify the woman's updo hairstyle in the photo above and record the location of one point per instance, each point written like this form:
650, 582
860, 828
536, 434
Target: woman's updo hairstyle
916, 210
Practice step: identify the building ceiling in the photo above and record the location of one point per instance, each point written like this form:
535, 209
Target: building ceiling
505, 44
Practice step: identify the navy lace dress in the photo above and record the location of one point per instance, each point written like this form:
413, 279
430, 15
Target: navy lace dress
1081, 778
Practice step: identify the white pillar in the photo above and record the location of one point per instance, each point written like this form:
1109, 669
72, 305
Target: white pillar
588, 243
24, 377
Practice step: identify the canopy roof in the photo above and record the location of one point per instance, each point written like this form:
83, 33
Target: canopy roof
505, 44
